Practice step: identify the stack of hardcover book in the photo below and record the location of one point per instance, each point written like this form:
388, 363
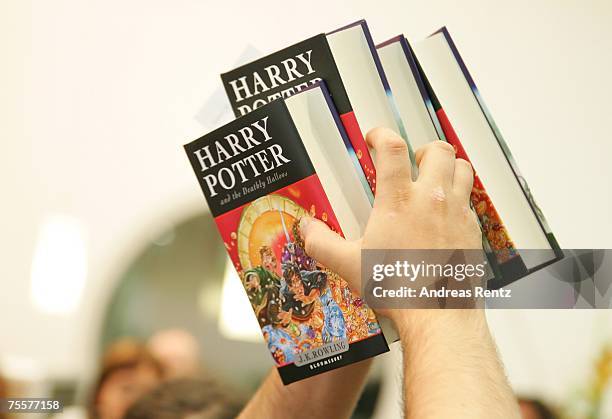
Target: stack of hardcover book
297, 149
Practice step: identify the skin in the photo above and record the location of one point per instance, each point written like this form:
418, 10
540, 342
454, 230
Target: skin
178, 352
252, 283
451, 367
323, 396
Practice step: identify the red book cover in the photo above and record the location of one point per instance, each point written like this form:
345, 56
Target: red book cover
259, 182
492, 225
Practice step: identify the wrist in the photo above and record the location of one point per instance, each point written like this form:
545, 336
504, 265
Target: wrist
415, 323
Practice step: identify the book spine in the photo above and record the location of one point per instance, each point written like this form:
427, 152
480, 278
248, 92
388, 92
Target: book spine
389, 93
349, 130
503, 145
359, 149
290, 71
424, 89
491, 223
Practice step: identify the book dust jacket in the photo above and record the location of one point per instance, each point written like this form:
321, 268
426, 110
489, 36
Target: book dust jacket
259, 182
289, 71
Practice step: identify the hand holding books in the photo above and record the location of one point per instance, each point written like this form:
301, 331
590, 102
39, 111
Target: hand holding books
431, 212
449, 355
268, 192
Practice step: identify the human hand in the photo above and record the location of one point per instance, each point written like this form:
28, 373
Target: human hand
308, 299
252, 282
432, 212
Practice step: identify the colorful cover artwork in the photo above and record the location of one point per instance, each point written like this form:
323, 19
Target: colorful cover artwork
299, 304
289, 71
259, 182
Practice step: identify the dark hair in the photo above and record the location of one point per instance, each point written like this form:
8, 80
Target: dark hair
289, 271
124, 354
186, 397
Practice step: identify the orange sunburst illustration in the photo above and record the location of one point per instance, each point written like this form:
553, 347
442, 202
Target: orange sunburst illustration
261, 225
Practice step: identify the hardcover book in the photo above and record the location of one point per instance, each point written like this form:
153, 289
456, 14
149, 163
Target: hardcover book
346, 59
262, 173
418, 104
457, 99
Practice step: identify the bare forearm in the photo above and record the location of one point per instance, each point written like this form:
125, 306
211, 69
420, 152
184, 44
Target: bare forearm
451, 367
332, 394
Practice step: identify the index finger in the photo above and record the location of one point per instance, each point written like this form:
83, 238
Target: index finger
393, 172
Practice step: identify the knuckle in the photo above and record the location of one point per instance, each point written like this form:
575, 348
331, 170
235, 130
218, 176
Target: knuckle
464, 167
401, 195
394, 174
393, 198
464, 163
438, 197
395, 145
437, 210
379, 133
437, 205
443, 146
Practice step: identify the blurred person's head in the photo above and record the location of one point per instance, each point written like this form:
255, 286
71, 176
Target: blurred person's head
177, 351
535, 409
185, 398
128, 370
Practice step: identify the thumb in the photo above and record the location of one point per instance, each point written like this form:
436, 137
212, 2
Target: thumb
334, 252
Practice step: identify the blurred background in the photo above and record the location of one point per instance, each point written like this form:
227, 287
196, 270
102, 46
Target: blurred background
106, 236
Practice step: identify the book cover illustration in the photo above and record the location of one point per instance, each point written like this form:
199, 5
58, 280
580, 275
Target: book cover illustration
259, 182
289, 71
299, 304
